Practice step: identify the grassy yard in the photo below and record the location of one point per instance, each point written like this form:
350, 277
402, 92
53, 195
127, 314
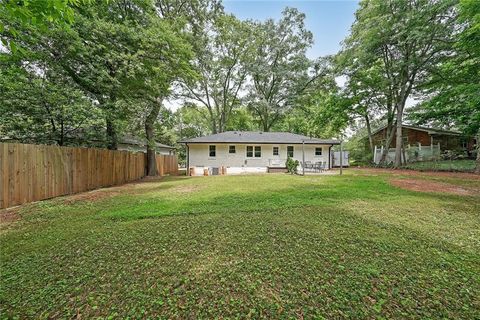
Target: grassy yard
446, 165
266, 246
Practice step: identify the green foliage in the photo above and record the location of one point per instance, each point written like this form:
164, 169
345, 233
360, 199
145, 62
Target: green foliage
445, 165
452, 94
406, 40
43, 108
279, 69
268, 246
41, 14
222, 53
292, 165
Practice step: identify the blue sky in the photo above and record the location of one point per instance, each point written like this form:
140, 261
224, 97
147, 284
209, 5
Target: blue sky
329, 21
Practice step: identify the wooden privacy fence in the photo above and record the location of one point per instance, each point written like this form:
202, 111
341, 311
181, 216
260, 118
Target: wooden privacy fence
36, 172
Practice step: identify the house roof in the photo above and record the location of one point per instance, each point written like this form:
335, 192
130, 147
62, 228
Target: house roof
425, 129
259, 137
126, 139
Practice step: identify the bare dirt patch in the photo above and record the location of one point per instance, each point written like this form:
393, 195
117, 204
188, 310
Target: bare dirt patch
108, 192
186, 189
8, 216
430, 186
406, 172
95, 195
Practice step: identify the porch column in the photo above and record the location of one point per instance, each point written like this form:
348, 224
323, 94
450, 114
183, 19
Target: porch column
341, 158
303, 157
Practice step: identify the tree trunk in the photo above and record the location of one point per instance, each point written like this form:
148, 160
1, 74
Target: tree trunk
369, 132
112, 141
150, 134
477, 166
398, 139
214, 125
390, 133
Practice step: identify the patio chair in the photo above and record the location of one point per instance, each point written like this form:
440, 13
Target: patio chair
323, 166
307, 165
318, 166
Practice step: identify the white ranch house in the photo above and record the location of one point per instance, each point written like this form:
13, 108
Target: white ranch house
254, 152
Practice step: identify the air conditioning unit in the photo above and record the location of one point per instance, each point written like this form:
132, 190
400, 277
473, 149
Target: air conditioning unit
215, 171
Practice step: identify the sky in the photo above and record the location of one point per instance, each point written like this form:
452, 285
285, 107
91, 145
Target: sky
328, 20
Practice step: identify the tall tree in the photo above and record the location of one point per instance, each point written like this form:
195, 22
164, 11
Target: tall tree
408, 37
279, 70
370, 95
452, 94
221, 55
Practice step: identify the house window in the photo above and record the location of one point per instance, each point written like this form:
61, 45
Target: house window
258, 151
290, 151
251, 153
275, 151
212, 151
318, 151
231, 149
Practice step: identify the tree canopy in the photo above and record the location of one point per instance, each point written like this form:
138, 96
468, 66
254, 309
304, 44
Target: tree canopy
77, 71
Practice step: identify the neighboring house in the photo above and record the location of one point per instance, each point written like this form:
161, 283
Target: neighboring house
414, 135
130, 143
244, 152
422, 144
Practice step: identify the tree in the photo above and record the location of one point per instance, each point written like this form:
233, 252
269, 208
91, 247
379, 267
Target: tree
160, 56
408, 38
279, 69
370, 95
41, 108
453, 93
221, 55
319, 110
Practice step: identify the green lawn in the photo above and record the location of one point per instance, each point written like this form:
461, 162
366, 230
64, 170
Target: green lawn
266, 246
446, 165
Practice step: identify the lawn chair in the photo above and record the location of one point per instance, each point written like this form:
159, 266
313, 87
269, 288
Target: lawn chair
318, 167
323, 166
307, 165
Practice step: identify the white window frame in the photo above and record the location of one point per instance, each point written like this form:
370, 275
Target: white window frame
234, 149
315, 152
273, 151
253, 151
215, 150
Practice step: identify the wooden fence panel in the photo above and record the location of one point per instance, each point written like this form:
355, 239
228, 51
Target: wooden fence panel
36, 172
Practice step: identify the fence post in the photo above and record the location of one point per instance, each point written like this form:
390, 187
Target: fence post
375, 154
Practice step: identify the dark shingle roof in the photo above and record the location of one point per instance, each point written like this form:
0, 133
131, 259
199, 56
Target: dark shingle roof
259, 137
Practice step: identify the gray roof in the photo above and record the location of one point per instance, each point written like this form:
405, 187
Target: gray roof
259, 137
127, 139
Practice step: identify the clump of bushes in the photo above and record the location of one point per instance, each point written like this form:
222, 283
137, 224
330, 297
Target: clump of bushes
291, 165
